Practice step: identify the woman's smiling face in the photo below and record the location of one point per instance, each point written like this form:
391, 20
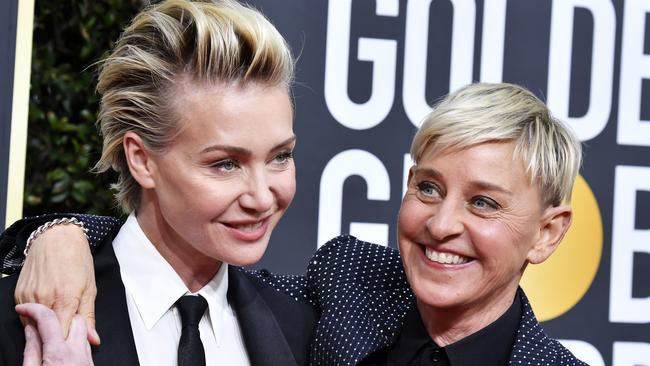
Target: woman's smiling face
469, 223
225, 181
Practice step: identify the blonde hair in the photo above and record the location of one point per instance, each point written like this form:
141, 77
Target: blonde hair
218, 41
483, 112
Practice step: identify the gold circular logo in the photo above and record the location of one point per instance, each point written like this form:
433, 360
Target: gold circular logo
558, 284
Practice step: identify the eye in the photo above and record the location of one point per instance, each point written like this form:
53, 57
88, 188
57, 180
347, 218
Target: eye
428, 189
484, 204
283, 157
227, 165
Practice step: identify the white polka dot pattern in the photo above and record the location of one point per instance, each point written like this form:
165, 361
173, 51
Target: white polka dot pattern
98, 227
363, 297
294, 286
533, 347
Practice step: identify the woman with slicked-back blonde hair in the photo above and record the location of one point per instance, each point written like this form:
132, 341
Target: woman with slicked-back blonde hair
174, 45
185, 93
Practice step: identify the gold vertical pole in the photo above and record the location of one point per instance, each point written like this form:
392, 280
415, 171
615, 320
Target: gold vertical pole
19, 111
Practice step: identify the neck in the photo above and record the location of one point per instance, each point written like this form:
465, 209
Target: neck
449, 325
193, 267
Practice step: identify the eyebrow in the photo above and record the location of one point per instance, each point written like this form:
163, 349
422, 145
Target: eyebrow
430, 172
479, 184
286, 142
486, 186
244, 151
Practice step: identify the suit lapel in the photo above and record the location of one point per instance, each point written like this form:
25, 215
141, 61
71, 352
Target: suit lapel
12, 337
256, 306
531, 340
113, 323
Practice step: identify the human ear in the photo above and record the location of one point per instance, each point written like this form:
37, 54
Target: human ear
555, 223
139, 160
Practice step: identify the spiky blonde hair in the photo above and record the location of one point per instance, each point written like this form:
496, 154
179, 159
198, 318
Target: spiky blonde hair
214, 41
482, 112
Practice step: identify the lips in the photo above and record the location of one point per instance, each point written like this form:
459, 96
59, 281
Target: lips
445, 258
248, 230
247, 227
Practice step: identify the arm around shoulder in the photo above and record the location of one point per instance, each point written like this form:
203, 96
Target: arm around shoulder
14, 239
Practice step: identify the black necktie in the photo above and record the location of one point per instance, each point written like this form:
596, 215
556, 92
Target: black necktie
190, 347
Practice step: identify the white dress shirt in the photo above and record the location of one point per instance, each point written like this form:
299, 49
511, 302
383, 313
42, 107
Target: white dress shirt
152, 287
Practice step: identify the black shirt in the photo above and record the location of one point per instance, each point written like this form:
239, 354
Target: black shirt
490, 346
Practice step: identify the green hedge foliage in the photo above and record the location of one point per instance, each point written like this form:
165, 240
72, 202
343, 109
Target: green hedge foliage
70, 36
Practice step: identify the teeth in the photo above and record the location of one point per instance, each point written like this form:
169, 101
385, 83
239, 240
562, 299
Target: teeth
445, 258
248, 227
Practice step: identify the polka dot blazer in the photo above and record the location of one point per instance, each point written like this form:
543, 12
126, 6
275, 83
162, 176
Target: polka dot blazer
361, 292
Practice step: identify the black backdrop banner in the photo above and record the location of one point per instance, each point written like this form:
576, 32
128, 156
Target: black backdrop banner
368, 72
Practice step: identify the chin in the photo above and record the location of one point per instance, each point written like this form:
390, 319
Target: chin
432, 300
244, 257
436, 295
245, 262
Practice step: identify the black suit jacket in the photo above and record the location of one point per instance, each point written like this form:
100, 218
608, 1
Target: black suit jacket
276, 328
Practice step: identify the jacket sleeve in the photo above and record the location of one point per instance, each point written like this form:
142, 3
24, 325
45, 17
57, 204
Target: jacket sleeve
362, 297
14, 238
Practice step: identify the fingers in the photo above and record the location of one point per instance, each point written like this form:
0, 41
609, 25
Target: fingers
25, 320
89, 355
46, 340
77, 338
65, 309
47, 323
78, 331
87, 310
33, 350
30, 291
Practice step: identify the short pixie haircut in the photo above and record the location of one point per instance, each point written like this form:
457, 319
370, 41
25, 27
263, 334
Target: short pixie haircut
206, 41
479, 113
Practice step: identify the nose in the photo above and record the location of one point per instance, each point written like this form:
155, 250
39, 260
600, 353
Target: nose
259, 196
445, 221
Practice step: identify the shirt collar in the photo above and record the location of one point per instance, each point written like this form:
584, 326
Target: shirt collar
152, 282
489, 346
412, 339
215, 292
